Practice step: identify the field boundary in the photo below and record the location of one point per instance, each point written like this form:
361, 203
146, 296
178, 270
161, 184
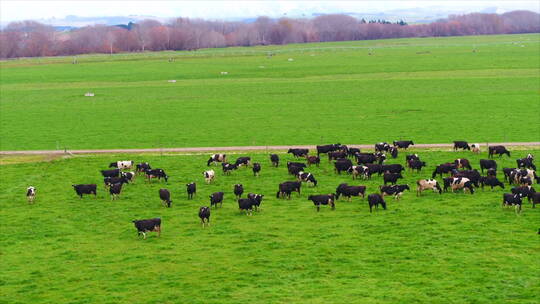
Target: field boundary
237, 148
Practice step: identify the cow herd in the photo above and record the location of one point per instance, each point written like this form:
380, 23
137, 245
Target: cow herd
458, 175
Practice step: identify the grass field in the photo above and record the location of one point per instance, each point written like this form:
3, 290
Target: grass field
432, 90
450, 248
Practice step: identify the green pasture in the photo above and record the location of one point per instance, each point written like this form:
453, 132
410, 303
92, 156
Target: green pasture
431, 90
449, 248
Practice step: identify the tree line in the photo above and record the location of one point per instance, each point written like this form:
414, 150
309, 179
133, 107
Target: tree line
33, 39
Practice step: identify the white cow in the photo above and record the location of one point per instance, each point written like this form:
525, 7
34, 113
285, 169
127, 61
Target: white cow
209, 176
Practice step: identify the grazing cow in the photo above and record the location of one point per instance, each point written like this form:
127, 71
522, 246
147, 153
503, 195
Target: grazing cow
374, 168
216, 198
375, 200
129, 176
286, 188
475, 148
246, 204
512, 200
256, 169
243, 161
353, 151
256, 199
204, 215
498, 150
491, 172
165, 197
382, 146
216, 158
425, 184
443, 169
526, 162
209, 176
274, 158
366, 158
395, 190
342, 165
472, 175
115, 180
301, 165
524, 191
487, 164
461, 183
410, 157
85, 189
122, 164
336, 155
462, 163
535, 199
461, 145
306, 177
328, 148
114, 190
416, 164
356, 171
142, 167
490, 181
111, 173
403, 144
322, 199
349, 191
391, 177
156, 173
393, 168
144, 226
227, 168
191, 189
313, 160
238, 190
507, 172
30, 194
393, 152
294, 170
522, 176
298, 152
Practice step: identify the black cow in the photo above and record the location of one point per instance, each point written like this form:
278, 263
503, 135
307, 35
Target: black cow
144, 226
165, 197
462, 163
115, 180
487, 164
366, 158
294, 170
535, 198
243, 161
156, 173
111, 173
348, 191
415, 164
256, 169
524, 191
191, 189
216, 158
274, 158
374, 168
410, 157
393, 152
328, 148
204, 215
256, 199
375, 200
395, 190
498, 150
391, 177
490, 181
322, 199
313, 160
238, 190
393, 168
301, 165
353, 151
228, 168
142, 167
461, 145
336, 155
342, 165
443, 169
246, 204
512, 200
491, 172
307, 178
403, 144
286, 188
85, 189
526, 162
216, 198
298, 152
382, 146
114, 190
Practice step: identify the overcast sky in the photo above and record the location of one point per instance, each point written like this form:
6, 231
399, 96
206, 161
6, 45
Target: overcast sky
12, 10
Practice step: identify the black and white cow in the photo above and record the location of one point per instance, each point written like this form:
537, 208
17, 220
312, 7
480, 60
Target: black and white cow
246, 204
191, 189
524, 191
375, 200
357, 171
144, 226
256, 200
216, 158
425, 184
313, 160
209, 176
30, 194
238, 190
458, 183
393, 152
403, 144
475, 148
472, 175
462, 163
204, 215
526, 162
487, 164
165, 197
122, 164
297, 152
108, 181
216, 198
507, 172
443, 169
256, 169
156, 173
285, 189
497, 150
490, 181
274, 158
306, 178
142, 167
328, 148
461, 145
410, 157
415, 164
323, 199
294, 170
243, 161
512, 200
85, 189
342, 165
228, 168
349, 191
395, 190
114, 190
129, 176
382, 147
111, 173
